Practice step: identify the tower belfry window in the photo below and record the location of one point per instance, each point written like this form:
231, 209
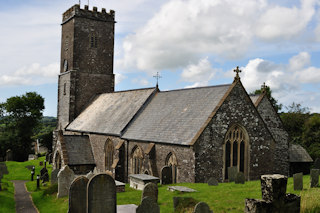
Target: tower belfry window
93, 41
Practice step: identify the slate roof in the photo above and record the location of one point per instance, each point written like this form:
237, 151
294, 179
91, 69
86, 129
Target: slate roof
298, 154
78, 149
254, 98
176, 116
109, 113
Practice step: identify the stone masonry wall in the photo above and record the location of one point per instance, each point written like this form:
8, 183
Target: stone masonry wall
272, 119
236, 109
184, 155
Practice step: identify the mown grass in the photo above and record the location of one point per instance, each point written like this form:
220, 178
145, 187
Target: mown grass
227, 197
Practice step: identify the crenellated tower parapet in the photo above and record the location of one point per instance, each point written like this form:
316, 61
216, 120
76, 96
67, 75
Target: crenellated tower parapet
94, 14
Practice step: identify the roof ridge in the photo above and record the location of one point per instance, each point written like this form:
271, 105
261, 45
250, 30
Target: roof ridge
194, 88
130, 90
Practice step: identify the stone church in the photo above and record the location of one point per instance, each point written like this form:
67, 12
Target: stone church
197, 132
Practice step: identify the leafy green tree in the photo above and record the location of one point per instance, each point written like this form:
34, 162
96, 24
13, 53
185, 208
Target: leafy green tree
273, 101
294, 120
19, 116
311, 135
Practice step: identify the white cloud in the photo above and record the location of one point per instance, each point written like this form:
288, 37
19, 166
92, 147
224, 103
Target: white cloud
283, 22
141, 81
183, 31
34, 74
119, 77
287, 81
200, 74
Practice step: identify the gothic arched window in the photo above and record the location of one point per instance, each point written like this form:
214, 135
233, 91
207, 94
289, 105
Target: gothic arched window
235, 150
109, 151
137, 158
171, 161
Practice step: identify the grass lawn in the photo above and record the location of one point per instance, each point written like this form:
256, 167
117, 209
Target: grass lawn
227, 197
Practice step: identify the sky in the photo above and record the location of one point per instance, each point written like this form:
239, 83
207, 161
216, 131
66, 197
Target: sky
190, 43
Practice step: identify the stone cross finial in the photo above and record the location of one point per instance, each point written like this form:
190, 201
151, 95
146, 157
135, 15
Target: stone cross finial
157, 76
237, 70
264, 87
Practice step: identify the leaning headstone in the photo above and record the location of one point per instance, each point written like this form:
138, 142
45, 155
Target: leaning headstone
65, 177
314, 178
202, 207
148, 205
240, 179
212, 182
54, 176
150, 190
316, 164
298, 181
9, 155
78, 195
275, 199
101, 194
90, 175
232, 172
44, 175
166, 175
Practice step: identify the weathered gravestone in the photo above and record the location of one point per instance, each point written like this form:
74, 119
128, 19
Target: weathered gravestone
148, 205
314, 178
275, 199
44, 175
298, 181
65, 177
212, 182
41, 163
78, 195
166, 175
9, 155
240, 179
316, 164
101, 195
202, 207
150, 190
232, 172
54, 176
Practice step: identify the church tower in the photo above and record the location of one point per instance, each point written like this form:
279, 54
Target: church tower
86, 65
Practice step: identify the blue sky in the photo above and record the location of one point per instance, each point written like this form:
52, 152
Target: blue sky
189, 42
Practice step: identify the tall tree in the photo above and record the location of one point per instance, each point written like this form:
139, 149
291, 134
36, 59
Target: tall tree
311, 135
273, 101
19, 116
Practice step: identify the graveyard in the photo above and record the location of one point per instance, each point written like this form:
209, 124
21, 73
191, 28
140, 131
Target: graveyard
225, 197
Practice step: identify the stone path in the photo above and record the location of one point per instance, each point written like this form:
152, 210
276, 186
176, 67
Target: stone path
23, 199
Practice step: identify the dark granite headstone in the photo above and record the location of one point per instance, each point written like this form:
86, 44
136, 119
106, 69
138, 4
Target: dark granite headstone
54, 176
202, 207
166, 175
240, 179
316, 164
44, 175
150, 190
50, 158
78, 195
212, 182
314, 178
298, 181
148, 205
41, 163
101, 195
232, 172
